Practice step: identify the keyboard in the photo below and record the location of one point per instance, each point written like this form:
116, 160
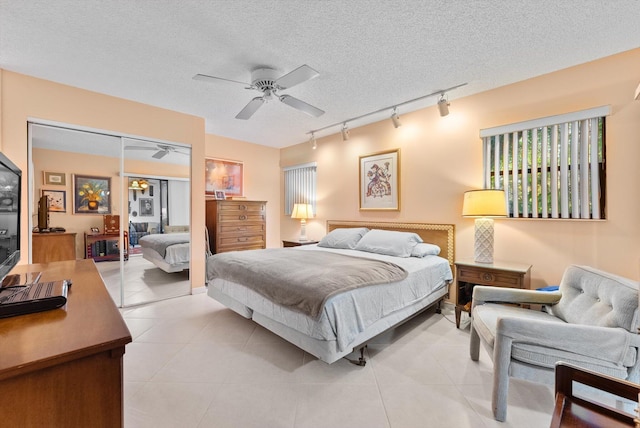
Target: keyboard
36, 297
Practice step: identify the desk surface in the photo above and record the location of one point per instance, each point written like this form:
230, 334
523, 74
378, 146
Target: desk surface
91, 322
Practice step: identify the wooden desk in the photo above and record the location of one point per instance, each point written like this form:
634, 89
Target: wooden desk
63, 367
53, 247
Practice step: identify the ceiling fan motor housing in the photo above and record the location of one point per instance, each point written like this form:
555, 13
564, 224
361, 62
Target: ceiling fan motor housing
264, 79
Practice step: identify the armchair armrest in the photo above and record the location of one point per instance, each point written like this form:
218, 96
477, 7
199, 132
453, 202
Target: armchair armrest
612, 342
483, 294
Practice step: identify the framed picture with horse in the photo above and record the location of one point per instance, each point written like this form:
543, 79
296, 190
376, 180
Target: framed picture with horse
380, 181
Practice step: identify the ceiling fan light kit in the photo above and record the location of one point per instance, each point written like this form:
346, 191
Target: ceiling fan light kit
266, 80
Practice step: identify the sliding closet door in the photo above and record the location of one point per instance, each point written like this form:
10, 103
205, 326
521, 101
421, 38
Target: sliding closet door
87, 174
158, 212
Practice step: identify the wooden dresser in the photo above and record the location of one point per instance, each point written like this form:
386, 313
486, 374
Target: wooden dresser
63, 367
53, 247
236, 225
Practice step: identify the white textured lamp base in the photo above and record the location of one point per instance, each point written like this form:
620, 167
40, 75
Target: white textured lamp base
484, 240
303, 230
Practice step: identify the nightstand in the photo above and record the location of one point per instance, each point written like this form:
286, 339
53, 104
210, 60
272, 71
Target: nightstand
497, 274
297, 243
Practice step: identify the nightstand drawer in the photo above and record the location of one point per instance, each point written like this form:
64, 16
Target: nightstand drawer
488, 277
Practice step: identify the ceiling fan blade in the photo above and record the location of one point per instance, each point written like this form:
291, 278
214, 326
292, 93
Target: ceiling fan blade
301, 105
206, 78
160, 154
299, 75
250, 108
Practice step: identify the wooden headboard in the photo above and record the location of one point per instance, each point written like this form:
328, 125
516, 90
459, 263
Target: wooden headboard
441, 235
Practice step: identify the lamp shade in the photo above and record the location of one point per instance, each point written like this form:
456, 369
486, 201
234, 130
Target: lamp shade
484, 203
302, 211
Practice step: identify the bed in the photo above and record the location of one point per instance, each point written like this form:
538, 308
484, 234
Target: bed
346, 320
168, 251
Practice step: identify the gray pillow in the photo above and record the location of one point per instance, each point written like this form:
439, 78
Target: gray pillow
399, 244
423, 249
343, 238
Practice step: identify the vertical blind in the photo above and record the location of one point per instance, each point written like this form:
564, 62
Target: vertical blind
299, 186
552, 167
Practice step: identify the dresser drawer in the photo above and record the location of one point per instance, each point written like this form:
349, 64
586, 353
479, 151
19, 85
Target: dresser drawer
488, 277
241, 228
235, 216
232, 239
241, 206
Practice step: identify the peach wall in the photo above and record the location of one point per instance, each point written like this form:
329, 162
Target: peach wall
261, 176
442, 158
24, 97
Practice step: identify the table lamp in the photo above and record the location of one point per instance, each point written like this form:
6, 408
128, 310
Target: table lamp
484, 204
303, 212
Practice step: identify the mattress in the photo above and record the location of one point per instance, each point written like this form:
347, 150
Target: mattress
347, 315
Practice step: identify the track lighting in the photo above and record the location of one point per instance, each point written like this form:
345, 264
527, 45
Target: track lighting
395, 118
312, 140
443, 105
345, 132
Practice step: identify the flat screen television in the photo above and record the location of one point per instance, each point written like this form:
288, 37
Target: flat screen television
10, 188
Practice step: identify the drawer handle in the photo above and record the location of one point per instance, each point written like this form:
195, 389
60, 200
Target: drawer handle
242, 217
487, 277
241, 229
242, 239
243, 207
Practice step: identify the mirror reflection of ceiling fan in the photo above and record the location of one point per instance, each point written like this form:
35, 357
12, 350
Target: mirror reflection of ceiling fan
161, 150
267, 81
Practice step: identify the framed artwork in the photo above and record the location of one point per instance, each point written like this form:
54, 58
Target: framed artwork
225, 175
146, 207
57, 200
91, 194
220, 195
380, 181
57, 178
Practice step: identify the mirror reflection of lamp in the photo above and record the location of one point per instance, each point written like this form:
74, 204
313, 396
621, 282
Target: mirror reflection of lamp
303, 212
484, 204
138, 184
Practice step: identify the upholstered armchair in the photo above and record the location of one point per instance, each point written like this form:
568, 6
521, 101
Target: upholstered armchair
590, 322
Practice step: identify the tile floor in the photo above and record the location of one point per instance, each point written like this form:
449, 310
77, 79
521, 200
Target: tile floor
194, 363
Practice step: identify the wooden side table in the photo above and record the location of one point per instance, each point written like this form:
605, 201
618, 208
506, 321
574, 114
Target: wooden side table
297, 243
497, 274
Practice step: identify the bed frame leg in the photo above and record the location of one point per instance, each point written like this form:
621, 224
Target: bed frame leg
439, 307
362, 361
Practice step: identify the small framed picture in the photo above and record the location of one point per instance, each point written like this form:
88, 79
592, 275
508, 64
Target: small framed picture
57, 200
3, 232
56, 178
95, 230
220, 195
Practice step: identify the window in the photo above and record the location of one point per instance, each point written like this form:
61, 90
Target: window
299, 186
552, 167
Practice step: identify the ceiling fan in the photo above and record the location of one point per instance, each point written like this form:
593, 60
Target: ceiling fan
267, 81
161, 150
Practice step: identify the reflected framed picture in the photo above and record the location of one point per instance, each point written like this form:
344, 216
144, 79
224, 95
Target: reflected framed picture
224, 175
380, 181
57, 200
146, 207
91, 194
55, 178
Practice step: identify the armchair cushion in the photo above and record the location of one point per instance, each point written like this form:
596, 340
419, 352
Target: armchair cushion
593, 297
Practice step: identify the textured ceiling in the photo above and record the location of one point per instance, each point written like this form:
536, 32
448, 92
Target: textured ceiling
370, 54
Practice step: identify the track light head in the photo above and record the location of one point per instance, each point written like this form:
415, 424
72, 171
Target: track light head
395, 118
345, 132
443, 106
312, 140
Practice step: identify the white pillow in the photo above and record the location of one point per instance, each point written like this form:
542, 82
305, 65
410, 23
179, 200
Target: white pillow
399, 244
346, 238
424, 249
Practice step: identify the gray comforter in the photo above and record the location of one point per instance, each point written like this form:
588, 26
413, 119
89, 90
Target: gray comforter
160, 241
300, 280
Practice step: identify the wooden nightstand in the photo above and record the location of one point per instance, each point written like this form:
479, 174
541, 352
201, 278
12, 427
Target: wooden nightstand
297, 243
496, 274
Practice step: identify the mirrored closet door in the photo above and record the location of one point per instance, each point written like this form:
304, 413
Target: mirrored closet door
124, 202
